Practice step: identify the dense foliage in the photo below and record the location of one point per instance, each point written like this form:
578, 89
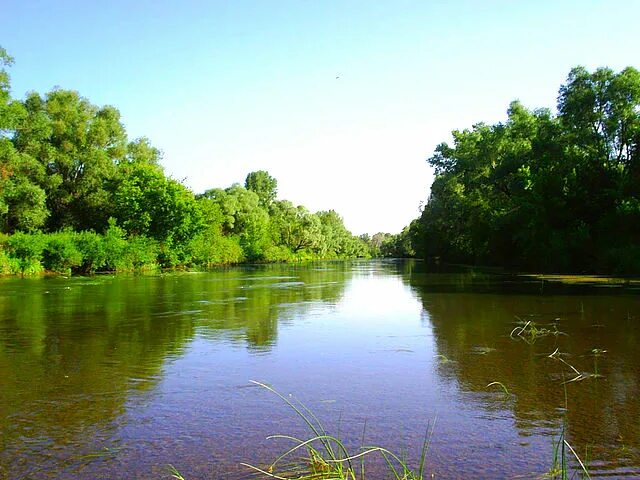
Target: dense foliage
76, 195
543, 191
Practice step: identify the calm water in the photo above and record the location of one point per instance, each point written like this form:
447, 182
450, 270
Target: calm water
117, 377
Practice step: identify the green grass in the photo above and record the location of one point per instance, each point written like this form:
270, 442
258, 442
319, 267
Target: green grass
175, 473
560, 468
530, 331
563, 452
322, 456
505, 390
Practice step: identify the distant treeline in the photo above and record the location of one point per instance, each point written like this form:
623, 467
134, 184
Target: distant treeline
543, 191
76, 195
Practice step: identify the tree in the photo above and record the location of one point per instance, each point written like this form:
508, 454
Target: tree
243, 216
542, 191
296, 228
79, 146
264, 185
22, 201
150, 204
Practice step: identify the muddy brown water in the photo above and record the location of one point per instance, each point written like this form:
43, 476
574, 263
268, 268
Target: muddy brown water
120, 376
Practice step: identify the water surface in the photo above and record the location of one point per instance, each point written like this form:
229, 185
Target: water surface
117, 377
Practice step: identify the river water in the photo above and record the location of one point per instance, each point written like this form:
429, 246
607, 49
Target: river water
121, 376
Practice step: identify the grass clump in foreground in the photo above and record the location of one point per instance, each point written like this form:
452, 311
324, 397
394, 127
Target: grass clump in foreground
323, 456
561, 467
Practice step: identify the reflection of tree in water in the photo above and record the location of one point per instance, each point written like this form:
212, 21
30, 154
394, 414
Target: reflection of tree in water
74, 351
471, 332
71, 353
246, 305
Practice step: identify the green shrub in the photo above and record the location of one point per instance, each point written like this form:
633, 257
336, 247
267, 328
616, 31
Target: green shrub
60, 253
114, 246
172, 254
5, 263
140, 254
622, 260
123, 254
210, 249
25, 252
93, 251
279, 253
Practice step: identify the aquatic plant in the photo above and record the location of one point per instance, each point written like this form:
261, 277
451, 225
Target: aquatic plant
579, 376
530, 331
327, 457
175, 473
562, 453
501, 385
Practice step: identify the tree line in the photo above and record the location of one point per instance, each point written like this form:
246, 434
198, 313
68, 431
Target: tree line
76, 195
542, 191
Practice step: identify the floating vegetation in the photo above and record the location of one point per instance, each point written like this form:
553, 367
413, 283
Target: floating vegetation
587, 280
502, 386
598, 352
105, 452
479, 350
579, 376
444, 359
563, 452
530, 331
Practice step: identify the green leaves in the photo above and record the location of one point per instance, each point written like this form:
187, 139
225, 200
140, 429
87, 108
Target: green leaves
538, 191
150, 204
67, 166
264, 185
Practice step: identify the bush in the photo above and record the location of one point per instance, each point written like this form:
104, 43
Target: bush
114, 245
25, 252
5, 263
60, 253
92, 248
278, 254
621, 260
140, 254
210, 249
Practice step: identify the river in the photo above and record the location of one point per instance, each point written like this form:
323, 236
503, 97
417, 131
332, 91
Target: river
121, 376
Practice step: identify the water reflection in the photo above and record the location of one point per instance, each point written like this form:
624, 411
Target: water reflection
75, 353
472, 316
116, 377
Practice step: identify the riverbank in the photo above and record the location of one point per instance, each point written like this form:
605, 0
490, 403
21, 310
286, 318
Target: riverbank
83, 253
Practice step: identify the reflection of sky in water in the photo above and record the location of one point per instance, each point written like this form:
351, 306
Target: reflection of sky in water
129, 374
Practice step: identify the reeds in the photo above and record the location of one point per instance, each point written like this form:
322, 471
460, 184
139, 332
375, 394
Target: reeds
530, 331
325, 457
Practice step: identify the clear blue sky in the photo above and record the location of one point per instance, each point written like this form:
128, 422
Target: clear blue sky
227, 87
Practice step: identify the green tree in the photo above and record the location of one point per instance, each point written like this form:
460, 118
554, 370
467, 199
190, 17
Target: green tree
243, 216
22, 201
148, 203
264, 185
79, 146
538, 191
295, 227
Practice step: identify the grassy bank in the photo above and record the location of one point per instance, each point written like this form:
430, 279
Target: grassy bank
84, 253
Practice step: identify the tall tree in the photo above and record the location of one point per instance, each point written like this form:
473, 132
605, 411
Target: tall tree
22, 200
150, 204
543, 192
264, 185
79, 145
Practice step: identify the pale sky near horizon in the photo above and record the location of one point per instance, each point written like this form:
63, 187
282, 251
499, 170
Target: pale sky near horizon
224, 88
